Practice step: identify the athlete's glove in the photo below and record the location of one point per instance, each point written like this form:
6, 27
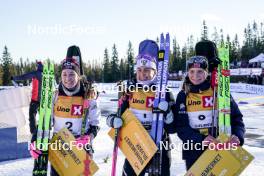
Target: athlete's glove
210, 140
234, 140
164, 106
34, 152
92, 131
114, 121
82, 140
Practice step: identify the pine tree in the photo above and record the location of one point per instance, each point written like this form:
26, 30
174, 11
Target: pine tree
97, 71
262, 35
179, 58
255, 34
221, 37
204, 35
228, 39
235, 54
215, 36
247, 49
157, 40
173, 59
249, 36
255, 39
122, 69
190, 46
184, 58
115, 71
260, 40
58, 73
106, 67
130, 61
1, 75
6, 62
231, 48
21, 66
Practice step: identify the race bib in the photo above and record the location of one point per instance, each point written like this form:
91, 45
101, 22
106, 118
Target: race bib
68, 113
201, 119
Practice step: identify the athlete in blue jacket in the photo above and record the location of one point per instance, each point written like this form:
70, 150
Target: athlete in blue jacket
193, 111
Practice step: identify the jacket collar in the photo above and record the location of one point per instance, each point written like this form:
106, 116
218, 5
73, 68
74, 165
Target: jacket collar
201, 87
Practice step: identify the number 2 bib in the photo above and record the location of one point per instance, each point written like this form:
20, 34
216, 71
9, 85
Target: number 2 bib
68, 113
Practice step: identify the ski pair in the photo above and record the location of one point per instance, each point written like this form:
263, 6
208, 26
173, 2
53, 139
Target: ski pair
224, 91
43, 132
160, 96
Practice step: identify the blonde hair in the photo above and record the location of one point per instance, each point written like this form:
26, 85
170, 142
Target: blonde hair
92, 93
186, 86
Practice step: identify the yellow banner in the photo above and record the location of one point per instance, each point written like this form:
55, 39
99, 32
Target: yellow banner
135, 142
221, 162
68, 159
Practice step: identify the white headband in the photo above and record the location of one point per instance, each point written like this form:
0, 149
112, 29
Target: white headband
146, 63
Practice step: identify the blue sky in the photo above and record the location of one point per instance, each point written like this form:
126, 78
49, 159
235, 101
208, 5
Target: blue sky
39, 30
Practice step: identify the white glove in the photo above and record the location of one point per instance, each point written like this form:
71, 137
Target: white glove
114, 121
169, 118
164, 105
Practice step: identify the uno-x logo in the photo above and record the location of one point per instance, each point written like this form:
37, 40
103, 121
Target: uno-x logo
77, 110
150, 102
207, 101
139, 101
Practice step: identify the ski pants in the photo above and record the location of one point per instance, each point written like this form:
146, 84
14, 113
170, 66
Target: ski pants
165, 168
33, 109
53, 172
189, 163
191, 158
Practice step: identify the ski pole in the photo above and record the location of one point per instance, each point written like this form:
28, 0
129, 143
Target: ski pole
214, 85
116, 140
116, 144
115, 152
14, 83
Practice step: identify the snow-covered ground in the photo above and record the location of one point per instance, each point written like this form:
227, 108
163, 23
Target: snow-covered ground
252, 107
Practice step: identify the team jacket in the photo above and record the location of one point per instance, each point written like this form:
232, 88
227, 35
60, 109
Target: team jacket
68, 112
36, 77
141, 104
193, 117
